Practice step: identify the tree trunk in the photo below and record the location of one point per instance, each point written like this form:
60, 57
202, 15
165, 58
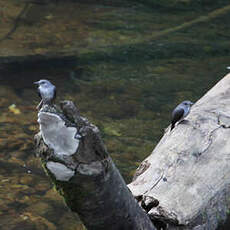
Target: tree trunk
185, 182
78, 164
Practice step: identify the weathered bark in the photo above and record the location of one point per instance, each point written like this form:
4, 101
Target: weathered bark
185, 182
76, 160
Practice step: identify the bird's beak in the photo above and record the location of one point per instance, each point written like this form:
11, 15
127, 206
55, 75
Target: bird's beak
191, 103
36, 82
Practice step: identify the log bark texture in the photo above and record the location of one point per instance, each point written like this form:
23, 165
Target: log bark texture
78, 164
185, 182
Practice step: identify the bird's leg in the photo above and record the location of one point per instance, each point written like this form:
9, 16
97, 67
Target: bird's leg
183, 121
49, 102
39, 105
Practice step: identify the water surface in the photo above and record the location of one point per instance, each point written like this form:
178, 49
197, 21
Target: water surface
122, 79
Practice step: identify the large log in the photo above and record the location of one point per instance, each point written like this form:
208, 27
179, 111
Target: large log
185, 182
78, 164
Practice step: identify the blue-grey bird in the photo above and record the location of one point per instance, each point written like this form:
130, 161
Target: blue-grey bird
180, 112
46, 91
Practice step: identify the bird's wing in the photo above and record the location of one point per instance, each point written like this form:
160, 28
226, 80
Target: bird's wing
55, 93
177, 114
39, 94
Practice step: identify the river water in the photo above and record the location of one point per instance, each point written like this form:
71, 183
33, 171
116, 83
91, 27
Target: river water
127, 74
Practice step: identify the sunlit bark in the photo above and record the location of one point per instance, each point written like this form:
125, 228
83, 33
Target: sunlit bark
185, 182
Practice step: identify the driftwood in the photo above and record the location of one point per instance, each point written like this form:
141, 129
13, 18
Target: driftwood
185, 182
78, 164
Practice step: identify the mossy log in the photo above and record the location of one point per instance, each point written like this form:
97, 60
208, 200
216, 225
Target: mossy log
185, 182
77, 162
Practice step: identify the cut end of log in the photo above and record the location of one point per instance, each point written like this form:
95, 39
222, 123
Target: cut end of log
60, 171
57, 135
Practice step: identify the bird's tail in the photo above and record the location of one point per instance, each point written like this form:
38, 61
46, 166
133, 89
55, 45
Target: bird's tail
172, 126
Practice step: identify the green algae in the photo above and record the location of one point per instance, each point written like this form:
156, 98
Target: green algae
111, 131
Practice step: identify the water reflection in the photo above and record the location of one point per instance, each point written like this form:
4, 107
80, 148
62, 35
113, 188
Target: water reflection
128, 90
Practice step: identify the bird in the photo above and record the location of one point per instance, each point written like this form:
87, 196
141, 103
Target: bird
46, 91
180, 112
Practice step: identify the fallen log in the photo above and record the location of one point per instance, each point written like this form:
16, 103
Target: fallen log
185, 182
78, 164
